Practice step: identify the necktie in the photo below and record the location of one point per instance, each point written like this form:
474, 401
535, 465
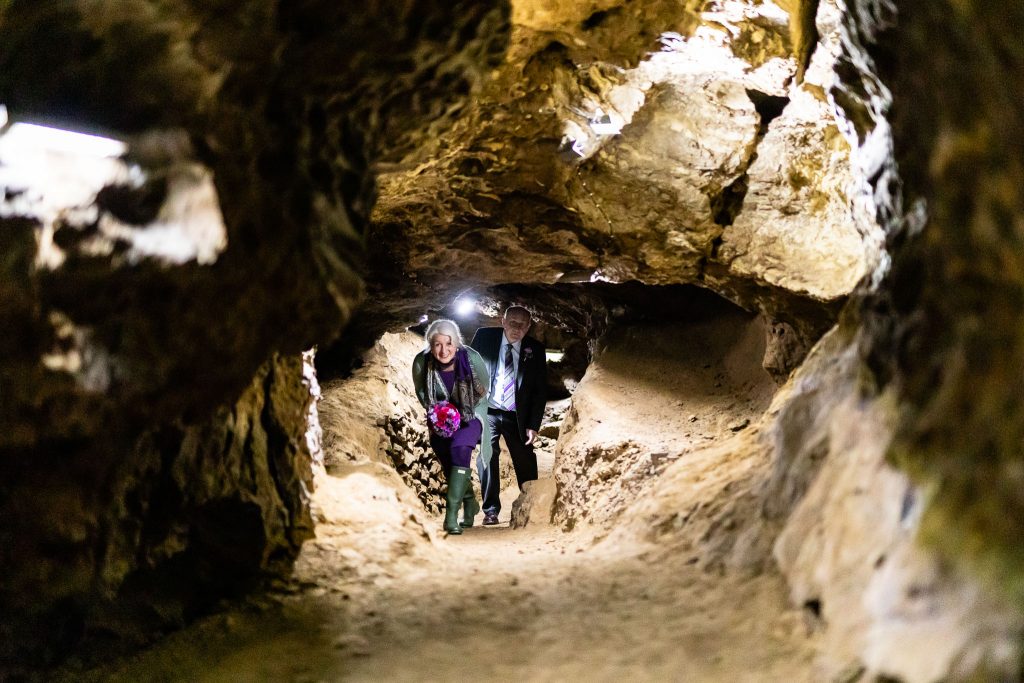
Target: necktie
508, 391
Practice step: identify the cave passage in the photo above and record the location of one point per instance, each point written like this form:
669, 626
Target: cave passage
661, 400
819, 481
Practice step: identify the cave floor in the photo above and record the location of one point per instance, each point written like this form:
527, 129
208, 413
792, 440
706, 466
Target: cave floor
381, 594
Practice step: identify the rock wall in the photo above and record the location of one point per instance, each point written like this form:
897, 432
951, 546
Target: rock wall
374, 415
734, 476
887, 499
949, 323
850, 545
154, 452
104, 553
654, 398
867, 481
921, 569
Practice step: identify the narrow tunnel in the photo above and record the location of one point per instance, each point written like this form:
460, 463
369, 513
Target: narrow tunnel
772, 250
699, 375
650, 388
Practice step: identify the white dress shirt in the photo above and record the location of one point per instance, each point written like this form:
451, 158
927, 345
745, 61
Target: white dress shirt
499, 370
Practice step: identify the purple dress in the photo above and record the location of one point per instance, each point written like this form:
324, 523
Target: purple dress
457, 450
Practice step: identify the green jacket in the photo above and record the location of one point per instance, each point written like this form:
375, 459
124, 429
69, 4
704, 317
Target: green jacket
479, 368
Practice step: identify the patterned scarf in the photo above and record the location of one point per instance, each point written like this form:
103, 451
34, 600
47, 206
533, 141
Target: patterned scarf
466, 392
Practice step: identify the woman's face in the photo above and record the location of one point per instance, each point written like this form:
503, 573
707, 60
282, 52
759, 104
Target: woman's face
442, 348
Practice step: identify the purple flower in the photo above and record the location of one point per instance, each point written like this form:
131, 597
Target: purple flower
444, 419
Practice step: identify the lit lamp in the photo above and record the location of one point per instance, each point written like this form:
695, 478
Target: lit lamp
464, 307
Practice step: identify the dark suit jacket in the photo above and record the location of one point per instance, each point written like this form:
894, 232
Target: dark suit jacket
531, 376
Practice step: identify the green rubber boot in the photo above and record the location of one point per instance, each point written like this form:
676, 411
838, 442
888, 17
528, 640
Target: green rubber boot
470, 506
458, 482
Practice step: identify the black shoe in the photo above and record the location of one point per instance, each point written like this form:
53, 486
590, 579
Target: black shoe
490, 518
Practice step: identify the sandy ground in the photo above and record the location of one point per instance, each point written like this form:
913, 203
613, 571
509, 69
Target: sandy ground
517, 605
383, 595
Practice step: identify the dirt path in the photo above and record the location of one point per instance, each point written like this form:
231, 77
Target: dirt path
380, 595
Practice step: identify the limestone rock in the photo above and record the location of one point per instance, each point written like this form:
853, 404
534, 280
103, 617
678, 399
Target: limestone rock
606, 460
785, 348
796, 228
636, 166
849, 543
533, 503
375, 415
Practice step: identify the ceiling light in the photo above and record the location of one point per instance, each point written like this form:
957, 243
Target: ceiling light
464, 307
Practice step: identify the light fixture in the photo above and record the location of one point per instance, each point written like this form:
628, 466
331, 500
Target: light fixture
464, 307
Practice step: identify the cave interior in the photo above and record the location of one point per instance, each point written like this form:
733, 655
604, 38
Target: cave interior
774, 251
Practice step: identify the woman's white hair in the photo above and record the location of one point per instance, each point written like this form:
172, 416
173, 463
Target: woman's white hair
447, 327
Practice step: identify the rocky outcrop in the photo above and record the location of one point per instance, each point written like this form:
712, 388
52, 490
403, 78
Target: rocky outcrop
154, 455
693, 157
106, 553
795, 228
375, 415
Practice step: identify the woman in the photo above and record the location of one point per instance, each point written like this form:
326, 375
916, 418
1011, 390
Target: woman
448, 370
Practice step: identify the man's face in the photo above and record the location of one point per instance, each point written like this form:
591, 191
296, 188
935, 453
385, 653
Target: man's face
516, 325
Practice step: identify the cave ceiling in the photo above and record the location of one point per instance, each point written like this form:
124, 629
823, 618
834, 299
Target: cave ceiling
664, 143
386, 159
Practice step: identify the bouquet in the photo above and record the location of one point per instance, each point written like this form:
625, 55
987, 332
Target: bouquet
443, 418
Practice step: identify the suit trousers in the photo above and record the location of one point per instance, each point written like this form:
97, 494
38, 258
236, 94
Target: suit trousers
504, 424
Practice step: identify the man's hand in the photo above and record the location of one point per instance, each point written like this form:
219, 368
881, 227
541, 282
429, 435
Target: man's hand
531, 436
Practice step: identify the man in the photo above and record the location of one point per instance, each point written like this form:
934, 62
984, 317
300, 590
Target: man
518, 369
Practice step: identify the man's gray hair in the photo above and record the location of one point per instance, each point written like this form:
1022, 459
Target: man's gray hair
447, 327
521, 310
